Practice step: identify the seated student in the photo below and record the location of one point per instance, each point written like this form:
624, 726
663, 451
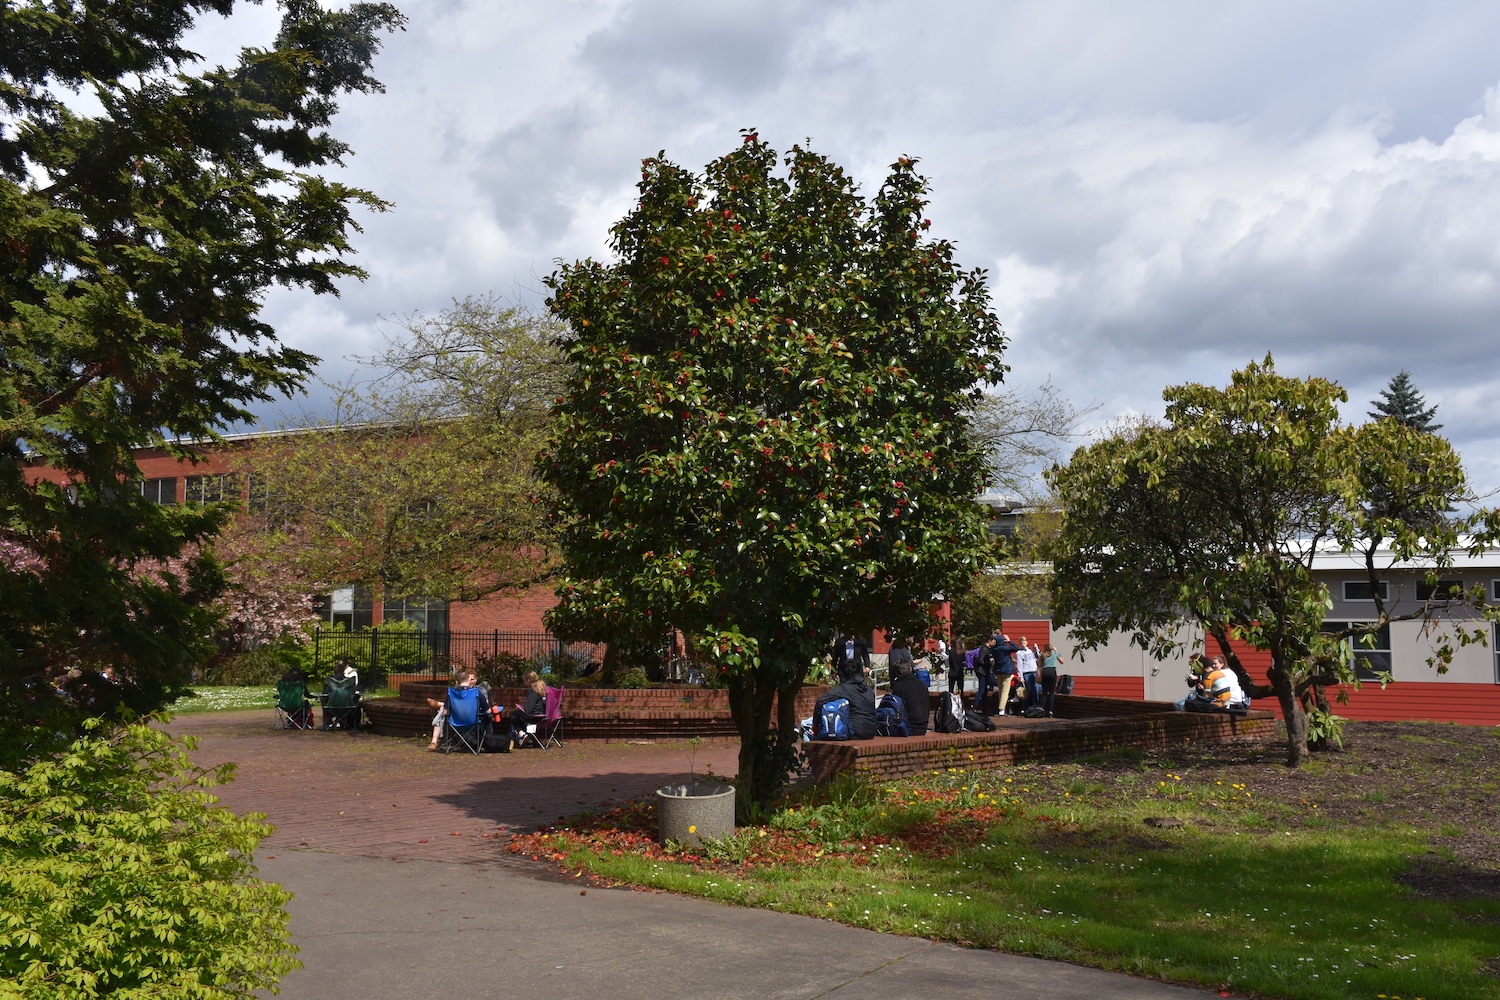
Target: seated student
532, 710
909, 688
341, 697
293, 698
464, 679
853, 685
1217, 691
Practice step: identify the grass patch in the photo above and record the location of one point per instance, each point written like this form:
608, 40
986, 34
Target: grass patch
236, 699
1157, 869
225, 699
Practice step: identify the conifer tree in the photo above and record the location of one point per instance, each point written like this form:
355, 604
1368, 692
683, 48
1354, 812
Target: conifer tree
1401, 401
142, 227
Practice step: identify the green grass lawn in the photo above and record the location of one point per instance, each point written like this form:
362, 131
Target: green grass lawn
1140, 867
233, 699
225, 699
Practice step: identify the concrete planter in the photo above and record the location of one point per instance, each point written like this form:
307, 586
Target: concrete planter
688, 813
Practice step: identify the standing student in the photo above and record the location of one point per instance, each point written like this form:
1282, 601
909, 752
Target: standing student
1003, 652
1026, 667
1051, 660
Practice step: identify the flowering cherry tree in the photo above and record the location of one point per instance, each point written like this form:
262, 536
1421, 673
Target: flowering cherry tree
767, 436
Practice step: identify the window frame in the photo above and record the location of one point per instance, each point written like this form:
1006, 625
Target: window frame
1385, 591
1360, 653
213, 487
154, 487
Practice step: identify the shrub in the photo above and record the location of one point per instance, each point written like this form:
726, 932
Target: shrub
122, 878
255, 667
500, 669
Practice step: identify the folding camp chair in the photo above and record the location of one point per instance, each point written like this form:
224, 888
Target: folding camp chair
546, 731
293, 710
465, 725
340, 703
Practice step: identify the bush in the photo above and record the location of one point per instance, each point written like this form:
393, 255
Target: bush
255, 667
500, 669
122, 878
632, 679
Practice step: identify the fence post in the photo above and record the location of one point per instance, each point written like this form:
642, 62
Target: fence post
375, 651
317, 647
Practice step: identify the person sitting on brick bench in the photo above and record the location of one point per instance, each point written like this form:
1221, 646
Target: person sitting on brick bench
1218, 691
907, 686
854, 686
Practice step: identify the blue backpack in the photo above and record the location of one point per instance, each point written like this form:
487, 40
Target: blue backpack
831, 721
890, 716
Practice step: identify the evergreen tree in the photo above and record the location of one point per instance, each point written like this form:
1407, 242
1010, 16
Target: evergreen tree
1401, 401
143, 226
768, 435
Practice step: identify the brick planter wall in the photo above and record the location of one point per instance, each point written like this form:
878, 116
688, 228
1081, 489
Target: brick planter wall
1123, 723
589, 713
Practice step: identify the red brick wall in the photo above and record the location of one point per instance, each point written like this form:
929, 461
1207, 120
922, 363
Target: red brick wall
505, 613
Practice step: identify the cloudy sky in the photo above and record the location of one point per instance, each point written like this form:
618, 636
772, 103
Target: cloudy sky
1162, 191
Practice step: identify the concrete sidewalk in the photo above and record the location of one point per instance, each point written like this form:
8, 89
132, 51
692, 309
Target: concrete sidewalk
400, 893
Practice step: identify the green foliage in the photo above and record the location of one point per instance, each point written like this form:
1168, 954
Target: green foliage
632, 679
257, 666
500, 669
1400, 401
1217, 519
121, 878
144, 224
768, 435
422, 480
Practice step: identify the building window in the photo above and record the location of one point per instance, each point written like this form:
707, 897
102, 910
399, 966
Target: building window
1495, 590
1442, 590
159, 490
1368, 660
277, 508
211, 489
1362, 590
427, 613
351, 607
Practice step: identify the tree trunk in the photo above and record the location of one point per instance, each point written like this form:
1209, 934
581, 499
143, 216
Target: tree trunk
1292, 713
750, 698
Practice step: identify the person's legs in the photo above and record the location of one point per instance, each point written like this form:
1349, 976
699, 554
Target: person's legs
1005, 682
1049, 690
984, 685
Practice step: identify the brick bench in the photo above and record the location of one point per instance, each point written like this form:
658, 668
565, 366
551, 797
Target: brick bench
1073, 734
589, 713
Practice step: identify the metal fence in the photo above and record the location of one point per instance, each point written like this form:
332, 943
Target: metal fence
380, 655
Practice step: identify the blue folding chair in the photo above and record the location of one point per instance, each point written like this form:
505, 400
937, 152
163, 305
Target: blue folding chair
465, 724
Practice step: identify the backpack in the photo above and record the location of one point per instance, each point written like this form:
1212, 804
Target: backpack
1035, 712
976, 723
950, 713
831, 721
1065, 684
890, 716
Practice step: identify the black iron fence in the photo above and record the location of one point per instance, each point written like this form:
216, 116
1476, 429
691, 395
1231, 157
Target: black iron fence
383, 655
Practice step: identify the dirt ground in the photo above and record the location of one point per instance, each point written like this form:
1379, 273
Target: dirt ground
1441, 778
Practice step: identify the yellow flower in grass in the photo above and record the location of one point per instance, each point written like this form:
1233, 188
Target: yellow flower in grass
693, 829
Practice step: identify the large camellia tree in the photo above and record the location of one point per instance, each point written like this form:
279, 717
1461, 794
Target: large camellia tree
767, 437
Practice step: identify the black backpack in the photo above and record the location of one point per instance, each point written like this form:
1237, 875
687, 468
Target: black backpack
1065, 684
976, 723
890, 716
950, 713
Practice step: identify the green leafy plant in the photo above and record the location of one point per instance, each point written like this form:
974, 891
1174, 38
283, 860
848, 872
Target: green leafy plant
121, 877
768, 433
144, 225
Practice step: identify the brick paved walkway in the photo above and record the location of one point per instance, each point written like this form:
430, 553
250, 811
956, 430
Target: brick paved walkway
389, 798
